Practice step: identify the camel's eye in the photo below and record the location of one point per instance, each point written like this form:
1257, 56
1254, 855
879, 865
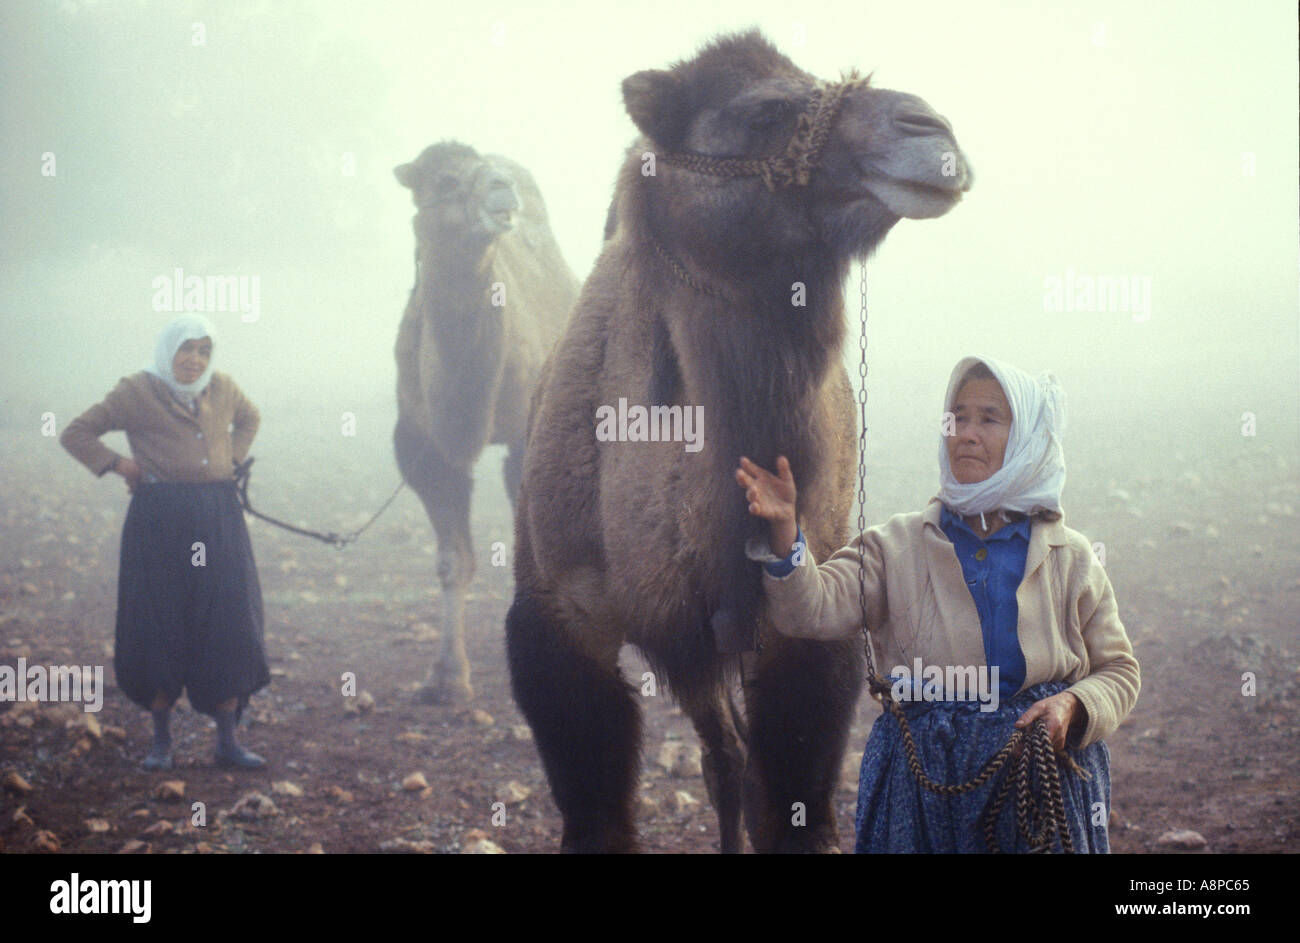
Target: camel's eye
769, 114
444, 187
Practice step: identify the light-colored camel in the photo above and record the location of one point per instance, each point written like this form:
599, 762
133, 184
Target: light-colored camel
719, 295
491, 295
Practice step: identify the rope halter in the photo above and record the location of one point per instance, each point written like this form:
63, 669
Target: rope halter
802, 154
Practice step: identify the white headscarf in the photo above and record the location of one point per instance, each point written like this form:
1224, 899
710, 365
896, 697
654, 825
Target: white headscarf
182, 328
1033, 467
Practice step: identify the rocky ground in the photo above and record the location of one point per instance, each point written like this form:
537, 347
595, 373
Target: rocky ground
1208, 588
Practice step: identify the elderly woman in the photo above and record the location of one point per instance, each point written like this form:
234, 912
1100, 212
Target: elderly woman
189, 604
986, 582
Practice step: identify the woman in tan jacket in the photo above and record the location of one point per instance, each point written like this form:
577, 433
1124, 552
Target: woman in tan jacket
189, 604
985, 609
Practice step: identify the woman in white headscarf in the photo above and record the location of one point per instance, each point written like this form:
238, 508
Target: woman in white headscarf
986, 611
189, 603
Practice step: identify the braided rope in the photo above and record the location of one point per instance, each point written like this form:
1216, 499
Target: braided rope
678, 270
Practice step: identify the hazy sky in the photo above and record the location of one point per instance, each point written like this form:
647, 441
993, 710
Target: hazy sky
1154, 142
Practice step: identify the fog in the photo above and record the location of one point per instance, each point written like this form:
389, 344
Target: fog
1153, 144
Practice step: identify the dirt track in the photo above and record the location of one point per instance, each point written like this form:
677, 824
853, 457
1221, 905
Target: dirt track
1195, 754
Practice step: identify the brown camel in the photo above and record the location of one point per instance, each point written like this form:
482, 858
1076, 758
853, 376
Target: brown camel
491, 296
718, 296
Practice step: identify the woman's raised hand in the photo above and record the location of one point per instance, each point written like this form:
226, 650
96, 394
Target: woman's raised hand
771, 497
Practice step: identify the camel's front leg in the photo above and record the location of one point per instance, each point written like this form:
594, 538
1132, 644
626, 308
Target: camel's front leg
445, 491
799, 703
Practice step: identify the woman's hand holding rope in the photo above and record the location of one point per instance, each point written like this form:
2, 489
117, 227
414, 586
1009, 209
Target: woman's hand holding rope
1063, 714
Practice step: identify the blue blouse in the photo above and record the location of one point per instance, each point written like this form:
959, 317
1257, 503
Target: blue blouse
993, 568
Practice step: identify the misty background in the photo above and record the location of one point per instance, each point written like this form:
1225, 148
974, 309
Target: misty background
1152, 141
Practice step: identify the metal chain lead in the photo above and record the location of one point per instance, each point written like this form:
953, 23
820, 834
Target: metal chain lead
875, 684
1027, 761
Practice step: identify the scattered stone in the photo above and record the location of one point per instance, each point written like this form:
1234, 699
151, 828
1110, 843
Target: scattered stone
202, 848
415, 782
412, 736
46, 842
1182, 840
15, 784
91, 723
688, 761
136, 847
362, 703
98, 825
117, 733
666, 758
402, 846
521, 732
254, 805
424, 632
476, 842
143, 813
170, 790
681, 801
340, 795
21, 817
481, 718
286, 788
315, 848
647, 805
161, 827
80, 748
512, 793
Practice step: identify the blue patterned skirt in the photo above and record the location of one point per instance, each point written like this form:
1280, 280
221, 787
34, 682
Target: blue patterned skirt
953, 742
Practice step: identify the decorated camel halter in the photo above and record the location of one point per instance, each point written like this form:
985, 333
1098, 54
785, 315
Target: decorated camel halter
802, 154
792, 167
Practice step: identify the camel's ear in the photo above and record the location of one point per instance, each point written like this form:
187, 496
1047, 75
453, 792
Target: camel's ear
656, 103
405, 174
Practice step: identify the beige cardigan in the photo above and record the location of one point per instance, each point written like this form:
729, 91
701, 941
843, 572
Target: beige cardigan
918, 605
167, 441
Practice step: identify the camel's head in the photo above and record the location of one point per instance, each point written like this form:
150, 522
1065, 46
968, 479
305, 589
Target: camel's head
844, 162
460, 194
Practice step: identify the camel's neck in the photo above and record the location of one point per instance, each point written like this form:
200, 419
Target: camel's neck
454, 291
765, 352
